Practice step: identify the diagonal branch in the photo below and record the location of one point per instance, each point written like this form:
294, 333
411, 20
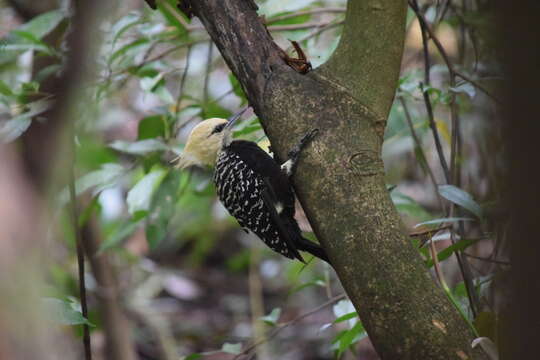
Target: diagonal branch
249, 49
340, 180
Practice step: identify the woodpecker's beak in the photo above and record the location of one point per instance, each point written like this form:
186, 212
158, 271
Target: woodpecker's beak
232, 119
185, 160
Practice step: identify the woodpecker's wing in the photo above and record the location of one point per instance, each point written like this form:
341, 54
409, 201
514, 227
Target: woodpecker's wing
278, 196
284, 231
263, 164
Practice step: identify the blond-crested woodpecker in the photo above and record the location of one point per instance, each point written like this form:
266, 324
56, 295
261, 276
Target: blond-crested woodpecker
253, 187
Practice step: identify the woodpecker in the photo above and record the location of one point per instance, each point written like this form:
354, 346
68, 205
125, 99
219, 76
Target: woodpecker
252, 186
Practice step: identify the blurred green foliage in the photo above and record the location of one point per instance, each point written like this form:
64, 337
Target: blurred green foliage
136, 112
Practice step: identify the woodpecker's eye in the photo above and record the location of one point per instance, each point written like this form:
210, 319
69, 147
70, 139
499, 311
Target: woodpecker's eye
218, 129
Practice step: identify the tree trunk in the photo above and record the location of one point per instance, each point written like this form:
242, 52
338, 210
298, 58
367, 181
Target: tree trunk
517, 31
340, 179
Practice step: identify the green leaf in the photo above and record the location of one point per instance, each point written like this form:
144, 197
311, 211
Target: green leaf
299, 19
163, 207
272, 318
408, 206
351, 315
37, 43
47, 71
124, 24
12, 129
4, 88
124, 50
105, 177
343, 309
139, 147
234, 349
171, 13
152, 127
213, 109
192, 357
443, 221
350, 337
446, 253
64, 312
465, 88
163, 93
150, 83
140, 196
247, 127
118, 236
43, 24
317, 282
461, 198
237, 88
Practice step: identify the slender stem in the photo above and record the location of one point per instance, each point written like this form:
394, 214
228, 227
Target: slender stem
499, 262
419, 146
256, 301
437, 266
281, 327
451, 174
184, 78
208, 70
425, 50
177, 125
306, 12
80, 258
435, 132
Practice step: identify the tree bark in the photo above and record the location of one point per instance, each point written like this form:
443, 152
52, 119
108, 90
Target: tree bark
340, 179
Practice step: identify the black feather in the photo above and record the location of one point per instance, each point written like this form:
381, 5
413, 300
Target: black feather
250, 184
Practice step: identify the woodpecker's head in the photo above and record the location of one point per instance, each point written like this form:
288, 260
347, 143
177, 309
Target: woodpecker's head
205, 141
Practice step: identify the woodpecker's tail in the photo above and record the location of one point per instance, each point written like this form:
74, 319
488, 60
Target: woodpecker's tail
312, 248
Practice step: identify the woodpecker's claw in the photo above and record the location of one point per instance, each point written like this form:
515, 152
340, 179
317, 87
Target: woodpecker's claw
310, 135
293, 154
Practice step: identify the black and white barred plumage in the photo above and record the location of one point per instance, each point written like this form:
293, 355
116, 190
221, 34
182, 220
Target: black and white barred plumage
252, 186
254, 189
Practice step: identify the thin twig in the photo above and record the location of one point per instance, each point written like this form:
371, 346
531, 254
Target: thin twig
429, 231
208, 70
281, 327
451, 174
425, 50
435, 132
80, 257
453, 72
478, 86
419, 146
308, 25
437, 266
306, 12
322, 29
500, 262
159, 56
288, 27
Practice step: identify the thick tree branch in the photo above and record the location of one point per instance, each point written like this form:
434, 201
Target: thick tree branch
367, 59
340, 178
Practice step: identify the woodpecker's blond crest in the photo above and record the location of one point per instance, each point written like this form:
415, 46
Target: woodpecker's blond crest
203, 144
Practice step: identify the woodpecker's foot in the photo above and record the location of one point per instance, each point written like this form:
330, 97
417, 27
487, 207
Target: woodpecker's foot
295, 152
289, 166
300, 64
